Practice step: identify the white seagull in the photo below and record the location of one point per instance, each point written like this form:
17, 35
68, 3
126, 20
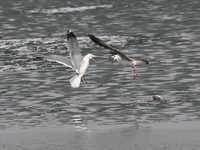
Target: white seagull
119, 56
77, 62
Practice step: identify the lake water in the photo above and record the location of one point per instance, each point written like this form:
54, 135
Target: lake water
36, 97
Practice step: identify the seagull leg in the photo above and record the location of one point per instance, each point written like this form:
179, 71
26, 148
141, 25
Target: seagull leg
85, 80
82, 80
135, 72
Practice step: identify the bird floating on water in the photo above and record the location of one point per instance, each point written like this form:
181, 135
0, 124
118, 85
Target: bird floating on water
119, 56
77, 62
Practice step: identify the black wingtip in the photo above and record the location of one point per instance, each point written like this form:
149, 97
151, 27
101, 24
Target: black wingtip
97, 40
70, 34
93, 38
91, 35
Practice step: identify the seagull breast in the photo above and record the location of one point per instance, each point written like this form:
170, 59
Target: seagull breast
84, 65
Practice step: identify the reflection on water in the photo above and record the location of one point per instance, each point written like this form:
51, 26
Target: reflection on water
37, 93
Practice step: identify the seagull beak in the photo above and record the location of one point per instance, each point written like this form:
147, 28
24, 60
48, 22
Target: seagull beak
94, 56
113, 60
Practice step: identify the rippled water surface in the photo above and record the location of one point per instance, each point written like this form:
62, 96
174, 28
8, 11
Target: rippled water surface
36, 93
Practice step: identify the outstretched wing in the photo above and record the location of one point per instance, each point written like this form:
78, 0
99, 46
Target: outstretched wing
74, 50
60, 59
103, 44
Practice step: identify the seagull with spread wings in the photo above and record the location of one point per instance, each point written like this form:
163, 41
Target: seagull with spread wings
119, 56
77, 62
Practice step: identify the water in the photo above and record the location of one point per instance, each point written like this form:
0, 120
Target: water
35, 94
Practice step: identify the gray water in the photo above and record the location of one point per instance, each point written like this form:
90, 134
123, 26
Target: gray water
36, 94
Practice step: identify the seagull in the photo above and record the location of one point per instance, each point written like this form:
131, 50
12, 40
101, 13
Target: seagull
77, 62
119, 56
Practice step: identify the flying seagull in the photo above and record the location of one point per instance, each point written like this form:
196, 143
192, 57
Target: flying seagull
119, 56
77, 62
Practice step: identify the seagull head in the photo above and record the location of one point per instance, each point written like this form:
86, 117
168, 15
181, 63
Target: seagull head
91, 56
116, 57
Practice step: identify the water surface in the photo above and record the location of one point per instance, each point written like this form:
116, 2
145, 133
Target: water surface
37, 94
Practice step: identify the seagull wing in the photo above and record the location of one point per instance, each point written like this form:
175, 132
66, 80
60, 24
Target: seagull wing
74, 50
103, 44
60, 59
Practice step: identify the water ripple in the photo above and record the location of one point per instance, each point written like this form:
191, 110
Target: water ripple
68, 9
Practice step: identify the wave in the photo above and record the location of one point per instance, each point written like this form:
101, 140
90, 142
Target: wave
68, 9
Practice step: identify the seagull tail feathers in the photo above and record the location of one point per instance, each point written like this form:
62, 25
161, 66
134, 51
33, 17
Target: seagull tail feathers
141, 62
75, 81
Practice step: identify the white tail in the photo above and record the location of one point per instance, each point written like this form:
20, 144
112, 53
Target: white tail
75, 81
